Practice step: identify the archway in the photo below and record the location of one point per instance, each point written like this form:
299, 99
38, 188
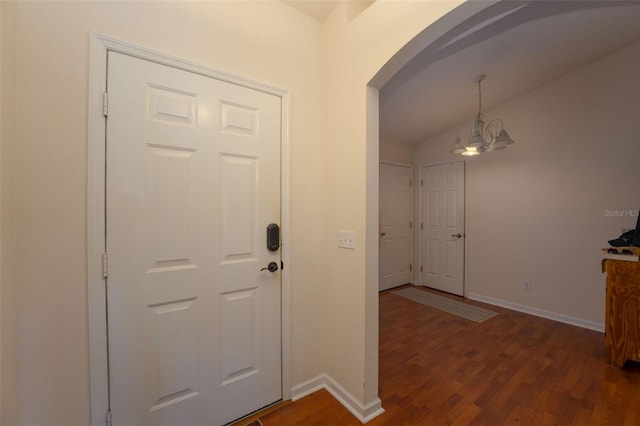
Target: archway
452, 32
461, 19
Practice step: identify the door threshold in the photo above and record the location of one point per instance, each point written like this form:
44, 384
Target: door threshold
248, 420
399, 287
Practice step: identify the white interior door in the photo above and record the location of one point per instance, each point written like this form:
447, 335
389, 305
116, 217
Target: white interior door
193, 180
442, 227
396, 215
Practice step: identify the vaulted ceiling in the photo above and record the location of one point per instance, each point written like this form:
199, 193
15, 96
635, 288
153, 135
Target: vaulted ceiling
518, 45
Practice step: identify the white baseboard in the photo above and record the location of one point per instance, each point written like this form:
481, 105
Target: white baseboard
579, 322
362, 412
308, 387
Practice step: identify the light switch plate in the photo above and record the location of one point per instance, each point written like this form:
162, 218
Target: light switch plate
347, 239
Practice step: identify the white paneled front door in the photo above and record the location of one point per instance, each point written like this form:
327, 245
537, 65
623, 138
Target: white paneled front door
396, 215
193, 181
442, 227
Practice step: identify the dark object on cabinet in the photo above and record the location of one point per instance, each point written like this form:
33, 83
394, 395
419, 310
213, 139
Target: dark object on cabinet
636, 236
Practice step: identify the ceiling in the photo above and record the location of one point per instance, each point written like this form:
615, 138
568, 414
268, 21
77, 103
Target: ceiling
518, 45
316, 9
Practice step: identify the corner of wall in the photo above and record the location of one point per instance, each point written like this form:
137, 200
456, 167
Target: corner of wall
362, 411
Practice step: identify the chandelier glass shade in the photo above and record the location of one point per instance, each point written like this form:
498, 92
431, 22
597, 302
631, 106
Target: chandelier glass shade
481, 138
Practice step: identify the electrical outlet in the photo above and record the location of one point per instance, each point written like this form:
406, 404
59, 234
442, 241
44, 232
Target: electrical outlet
527, 285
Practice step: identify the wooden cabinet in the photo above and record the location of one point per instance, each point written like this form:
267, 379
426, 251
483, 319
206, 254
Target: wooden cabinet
622, 321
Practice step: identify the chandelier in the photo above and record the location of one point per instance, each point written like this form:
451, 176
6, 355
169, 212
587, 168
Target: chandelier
491, 137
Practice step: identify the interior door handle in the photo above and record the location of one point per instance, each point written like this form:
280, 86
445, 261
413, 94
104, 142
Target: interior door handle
271, 267
458, 235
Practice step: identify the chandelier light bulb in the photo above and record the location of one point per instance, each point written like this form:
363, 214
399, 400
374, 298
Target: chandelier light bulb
471, 151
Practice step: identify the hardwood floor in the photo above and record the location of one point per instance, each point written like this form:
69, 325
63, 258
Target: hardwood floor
513, 369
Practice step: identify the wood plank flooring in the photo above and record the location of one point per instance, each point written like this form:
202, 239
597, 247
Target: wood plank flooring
513, 369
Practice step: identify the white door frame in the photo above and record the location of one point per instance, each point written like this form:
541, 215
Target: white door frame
97, 302
417, 235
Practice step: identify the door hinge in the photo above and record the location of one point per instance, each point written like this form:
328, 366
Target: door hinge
281, 265
410, 267
421, 225
105, 104
421, 182
107, 418
105, 265
421, 269
410, 225
410, 182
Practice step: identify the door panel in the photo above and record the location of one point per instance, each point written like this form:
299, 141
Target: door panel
193, 180
396, 233
442, 210
237, 180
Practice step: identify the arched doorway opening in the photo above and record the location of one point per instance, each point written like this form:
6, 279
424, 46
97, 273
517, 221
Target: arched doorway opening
458, 32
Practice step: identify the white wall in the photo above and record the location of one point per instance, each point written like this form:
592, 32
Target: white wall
1, 130
537, 209
44, 331
1, 127
396, 152
7, 228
